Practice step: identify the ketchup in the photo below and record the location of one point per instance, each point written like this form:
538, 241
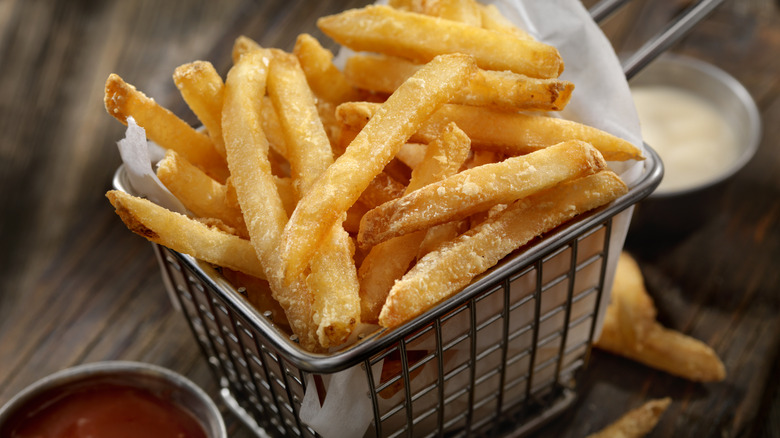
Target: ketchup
106, 410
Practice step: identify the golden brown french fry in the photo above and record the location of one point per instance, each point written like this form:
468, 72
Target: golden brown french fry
492, 19
478, 189
202, 88
645, 340
389, 260
272, 127
247, 155
442, 273
123, 100
510, 133
383, 188
438, 235
308, 146
636, 423
343, 182
203, 196
333, 278
334, 281
325, 79
419, 37
499, 89
185, 235
411, 154
464, 11
635, 309
241, 45
327, 82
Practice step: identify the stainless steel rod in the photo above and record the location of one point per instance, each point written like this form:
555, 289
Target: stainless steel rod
668, 36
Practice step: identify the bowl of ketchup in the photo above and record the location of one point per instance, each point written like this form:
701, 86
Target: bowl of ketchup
112, 399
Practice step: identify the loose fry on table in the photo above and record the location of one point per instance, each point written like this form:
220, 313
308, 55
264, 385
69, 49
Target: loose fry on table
388, 261
511, 133
333, 279
648, 342
636, 423
498, 89
634, 308
123, 100
442, 273
376, 144
418, 37
203, 196
478, 189
202, 88
264, 214
185, 235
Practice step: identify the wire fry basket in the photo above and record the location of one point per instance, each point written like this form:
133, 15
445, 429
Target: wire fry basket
500, 358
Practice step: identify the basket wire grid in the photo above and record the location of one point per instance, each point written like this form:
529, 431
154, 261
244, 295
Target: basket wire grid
499, 358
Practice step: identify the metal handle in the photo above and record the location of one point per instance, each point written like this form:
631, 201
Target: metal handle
662, 40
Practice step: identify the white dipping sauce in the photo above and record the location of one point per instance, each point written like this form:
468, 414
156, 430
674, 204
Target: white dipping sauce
695, 142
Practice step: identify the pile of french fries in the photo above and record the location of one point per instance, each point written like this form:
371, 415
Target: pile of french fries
369, 193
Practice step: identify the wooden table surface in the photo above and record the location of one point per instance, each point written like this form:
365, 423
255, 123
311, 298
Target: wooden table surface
76, 286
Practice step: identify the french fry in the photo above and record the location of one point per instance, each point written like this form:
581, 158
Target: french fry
510, 133
420, 38
247, 149
325, 79
492, 19
388, 261
203, 196
202, 88
443, 272
327, 82
343, 182
383, 188
308, 146
272, 128
636, 423
636, 312
478, 189
243, 44
411, 154
333, 279
163, 127
648, 342
185, 235
464, 11
498, 89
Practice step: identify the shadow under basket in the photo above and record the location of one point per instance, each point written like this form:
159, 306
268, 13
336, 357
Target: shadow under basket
501, 357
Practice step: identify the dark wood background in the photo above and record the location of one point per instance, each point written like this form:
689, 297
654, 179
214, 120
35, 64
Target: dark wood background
76, 286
